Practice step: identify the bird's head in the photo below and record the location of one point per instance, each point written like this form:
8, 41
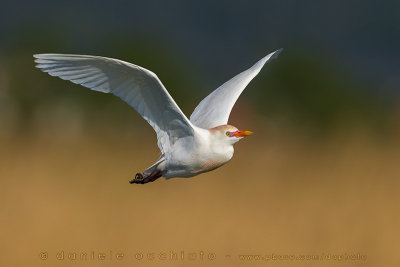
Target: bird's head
228, 134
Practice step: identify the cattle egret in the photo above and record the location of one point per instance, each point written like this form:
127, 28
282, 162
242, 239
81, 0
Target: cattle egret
188, 147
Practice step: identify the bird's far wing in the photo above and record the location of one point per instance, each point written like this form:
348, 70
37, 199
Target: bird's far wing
137, 86
214, 110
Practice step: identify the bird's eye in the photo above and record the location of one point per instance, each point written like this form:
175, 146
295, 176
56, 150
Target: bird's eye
228, 134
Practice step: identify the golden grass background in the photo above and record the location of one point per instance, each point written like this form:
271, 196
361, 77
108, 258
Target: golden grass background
281, 194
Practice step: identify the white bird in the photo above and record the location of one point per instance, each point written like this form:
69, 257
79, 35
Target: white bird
188, 147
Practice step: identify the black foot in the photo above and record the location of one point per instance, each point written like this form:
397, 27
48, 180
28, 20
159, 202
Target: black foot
139, 179
143, 179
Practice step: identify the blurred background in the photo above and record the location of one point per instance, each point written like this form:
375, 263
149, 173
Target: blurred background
320, 177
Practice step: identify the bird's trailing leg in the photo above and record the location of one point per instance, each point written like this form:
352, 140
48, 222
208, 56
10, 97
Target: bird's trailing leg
143, 178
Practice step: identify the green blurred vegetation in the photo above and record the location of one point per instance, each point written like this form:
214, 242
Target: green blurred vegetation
305, 92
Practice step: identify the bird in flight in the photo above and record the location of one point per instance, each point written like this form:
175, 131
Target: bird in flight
188, 146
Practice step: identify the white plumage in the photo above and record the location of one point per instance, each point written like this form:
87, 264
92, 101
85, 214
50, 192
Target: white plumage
188, 147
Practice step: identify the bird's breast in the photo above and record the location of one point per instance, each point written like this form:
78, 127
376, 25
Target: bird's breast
190, 159
210, 165
213, 159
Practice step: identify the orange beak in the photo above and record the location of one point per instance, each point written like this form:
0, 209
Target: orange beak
241, 133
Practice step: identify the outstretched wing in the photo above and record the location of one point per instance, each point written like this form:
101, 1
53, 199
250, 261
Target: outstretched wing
137, 86
214, 110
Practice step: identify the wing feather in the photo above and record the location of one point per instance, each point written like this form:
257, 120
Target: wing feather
137, 86
214, 110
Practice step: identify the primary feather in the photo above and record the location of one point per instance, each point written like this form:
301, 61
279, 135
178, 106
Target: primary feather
137, 86
214, 110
